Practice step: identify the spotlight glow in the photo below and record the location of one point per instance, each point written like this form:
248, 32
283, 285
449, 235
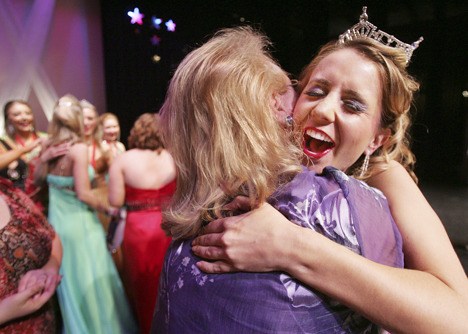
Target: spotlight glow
170, 25
156, 22
136, 16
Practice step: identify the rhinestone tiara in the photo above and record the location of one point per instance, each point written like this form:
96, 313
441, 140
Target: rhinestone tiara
366, 29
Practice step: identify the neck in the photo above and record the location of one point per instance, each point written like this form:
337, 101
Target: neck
88, 140
23, 137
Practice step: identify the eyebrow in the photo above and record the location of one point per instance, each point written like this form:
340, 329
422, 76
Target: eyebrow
320, 81
348, 92
354, 95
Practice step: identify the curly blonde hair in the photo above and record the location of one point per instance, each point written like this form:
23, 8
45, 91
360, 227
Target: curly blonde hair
218, 123
145, 133
397, 98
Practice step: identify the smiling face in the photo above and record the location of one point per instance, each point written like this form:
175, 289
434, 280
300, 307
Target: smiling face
21, 117
111, 129
90, 120
339, 111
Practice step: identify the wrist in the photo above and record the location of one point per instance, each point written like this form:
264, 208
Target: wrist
112, 211
53, 266
299, 254
287, 248
7, 309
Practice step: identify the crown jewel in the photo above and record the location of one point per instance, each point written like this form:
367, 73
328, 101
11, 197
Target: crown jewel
366, 29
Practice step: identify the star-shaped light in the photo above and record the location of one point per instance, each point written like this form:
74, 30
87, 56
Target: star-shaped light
136, 16
156, 22
155, 39
170, 25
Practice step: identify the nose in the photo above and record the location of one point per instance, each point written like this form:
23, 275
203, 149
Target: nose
324, 111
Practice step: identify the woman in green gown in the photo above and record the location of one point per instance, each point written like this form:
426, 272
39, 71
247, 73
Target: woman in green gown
91, 295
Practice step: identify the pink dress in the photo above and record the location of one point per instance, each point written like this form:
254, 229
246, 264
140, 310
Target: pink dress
143, 248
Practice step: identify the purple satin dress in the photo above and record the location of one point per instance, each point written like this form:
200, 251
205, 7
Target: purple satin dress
341, 208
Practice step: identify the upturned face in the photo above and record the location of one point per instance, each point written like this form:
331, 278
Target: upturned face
111, 129
21, 117
339, 111
90, 120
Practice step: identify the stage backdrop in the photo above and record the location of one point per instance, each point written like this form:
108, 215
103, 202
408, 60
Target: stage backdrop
49, 48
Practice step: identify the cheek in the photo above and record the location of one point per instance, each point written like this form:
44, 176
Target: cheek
12, 119
357, 135
300, 112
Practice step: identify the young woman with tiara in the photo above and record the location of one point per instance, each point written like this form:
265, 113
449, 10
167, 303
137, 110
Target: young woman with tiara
353, 113
219, 124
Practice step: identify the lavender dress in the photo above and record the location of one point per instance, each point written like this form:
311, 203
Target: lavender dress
341, 208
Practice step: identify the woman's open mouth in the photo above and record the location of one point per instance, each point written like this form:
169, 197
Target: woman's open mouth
316, 143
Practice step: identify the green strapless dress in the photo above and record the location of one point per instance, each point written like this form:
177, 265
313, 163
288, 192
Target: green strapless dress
91, 295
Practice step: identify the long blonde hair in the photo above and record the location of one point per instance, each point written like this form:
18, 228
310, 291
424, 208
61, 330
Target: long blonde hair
218, 123
67, 121
398, 88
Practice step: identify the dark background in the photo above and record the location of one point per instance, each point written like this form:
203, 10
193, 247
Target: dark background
135, 84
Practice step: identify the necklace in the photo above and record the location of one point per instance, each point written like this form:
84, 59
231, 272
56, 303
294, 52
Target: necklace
19, 140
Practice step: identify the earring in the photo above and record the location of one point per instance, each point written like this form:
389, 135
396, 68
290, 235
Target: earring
289, 121
365, 165
10, 129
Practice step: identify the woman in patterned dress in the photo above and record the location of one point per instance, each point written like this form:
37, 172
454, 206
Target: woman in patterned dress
30, 257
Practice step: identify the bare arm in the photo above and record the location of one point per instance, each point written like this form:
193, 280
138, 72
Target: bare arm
8, 156
410, 301
79, 155
23, 303
116, 183
426, 244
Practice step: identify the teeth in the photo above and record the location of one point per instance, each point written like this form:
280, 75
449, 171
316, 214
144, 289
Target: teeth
318, 135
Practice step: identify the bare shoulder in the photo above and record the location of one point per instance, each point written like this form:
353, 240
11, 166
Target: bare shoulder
121, 146
131, 158
78, 149
395, 178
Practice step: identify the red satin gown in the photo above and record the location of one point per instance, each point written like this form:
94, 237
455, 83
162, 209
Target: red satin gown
143, 248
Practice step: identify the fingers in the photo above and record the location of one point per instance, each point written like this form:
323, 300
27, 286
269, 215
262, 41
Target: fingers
218, 267
30, 291
240, 203
209, 253
34, 277
216, 226
51, 283
60, 150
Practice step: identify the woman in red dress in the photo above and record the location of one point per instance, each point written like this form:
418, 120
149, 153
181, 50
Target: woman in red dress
143, 179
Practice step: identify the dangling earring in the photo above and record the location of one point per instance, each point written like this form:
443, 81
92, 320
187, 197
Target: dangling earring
10, 129
289, 121
365, 165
